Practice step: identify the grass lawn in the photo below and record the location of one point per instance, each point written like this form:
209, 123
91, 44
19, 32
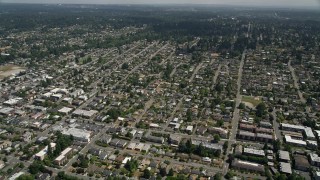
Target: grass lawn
8, 70
250, 99
6, 67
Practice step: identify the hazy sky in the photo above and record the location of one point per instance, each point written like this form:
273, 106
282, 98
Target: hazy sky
288, 3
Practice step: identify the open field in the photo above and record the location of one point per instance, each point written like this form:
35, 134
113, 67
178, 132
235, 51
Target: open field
8, 70
254, 101
5, 48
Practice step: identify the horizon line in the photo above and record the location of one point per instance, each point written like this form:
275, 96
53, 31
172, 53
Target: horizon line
306, 7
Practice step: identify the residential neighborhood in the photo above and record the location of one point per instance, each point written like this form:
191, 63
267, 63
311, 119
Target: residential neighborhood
108, 100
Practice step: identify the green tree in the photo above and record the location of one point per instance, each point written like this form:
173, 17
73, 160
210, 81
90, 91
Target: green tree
225, 145
167, 71
125, 66
129, 135
117, 152
242, 106
9, 171
217, 176
62, 176
84, 161
220, 123
189, 115
216, 138
219, 87
171, 172
100, 60
276, 145
131, 165
295, 176
261, 109
89, 59
21, 165
49, 152
25, 177
229, 175
279, 176
146, 173
163, 172
36, 167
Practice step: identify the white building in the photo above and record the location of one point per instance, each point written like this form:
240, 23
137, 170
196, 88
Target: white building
41, 154
78, 134
65, 110
12, 102
61, 159
296, 142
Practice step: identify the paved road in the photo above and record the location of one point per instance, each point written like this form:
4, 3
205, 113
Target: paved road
276, 126
215, 77
181, 99
168, 58
175, 69
56, 171
137, 154
85, 149
295, 82
236, 114
147, 105
143, 63
195, 72
46, 132
119, 66
89, 145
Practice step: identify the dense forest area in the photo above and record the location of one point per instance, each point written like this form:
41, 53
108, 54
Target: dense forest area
215, 26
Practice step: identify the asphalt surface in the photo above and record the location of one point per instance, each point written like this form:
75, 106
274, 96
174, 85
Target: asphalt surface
236, 114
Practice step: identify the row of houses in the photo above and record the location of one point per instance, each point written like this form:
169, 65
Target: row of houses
246, 135
139, 147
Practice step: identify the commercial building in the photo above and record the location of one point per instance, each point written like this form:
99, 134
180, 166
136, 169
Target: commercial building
306, 130
264, 130
119, 143
246, 165
247, 127
131, 146
146, 148
316, 175
16, 175
63, 157
312, 144
189, 129
295, 142
154, 139
211, 146
65, 110
309, 134
12, 102
41, 154
254, 152
246, 135
285, 168
284, 156
1, 164
238, 150
78, 134
264, 137
56, 97
301, 163
314, 159
84, 113
216, 130
6, 111
175, 139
